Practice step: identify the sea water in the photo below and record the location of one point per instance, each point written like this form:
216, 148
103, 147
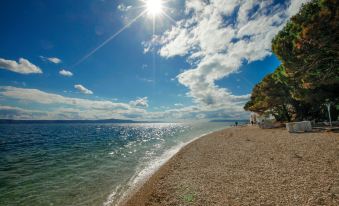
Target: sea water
85, 164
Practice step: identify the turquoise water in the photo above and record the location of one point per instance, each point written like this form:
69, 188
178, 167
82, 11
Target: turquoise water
85, 164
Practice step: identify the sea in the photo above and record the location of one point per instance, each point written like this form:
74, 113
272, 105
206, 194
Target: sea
86, 164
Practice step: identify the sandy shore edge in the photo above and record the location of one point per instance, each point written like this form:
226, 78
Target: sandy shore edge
149, 177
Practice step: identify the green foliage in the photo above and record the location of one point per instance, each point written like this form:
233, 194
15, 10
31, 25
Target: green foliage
272, 95
308, 45
308, 48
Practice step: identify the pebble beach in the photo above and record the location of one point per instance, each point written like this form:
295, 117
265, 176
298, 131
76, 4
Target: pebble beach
248, 166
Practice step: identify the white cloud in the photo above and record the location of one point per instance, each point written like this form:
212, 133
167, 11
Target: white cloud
123, 7
295, 6
38, 96
82, 89
54, 60
55, 106
194, 112
177, 43
217, 43
140, 102
9, 112
65, 73
22, 67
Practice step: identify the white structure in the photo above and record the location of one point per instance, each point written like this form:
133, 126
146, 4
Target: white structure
304, 126
264, 121
253, 118
328, 105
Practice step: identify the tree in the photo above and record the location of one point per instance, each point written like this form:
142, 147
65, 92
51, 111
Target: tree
272, 96
308, 48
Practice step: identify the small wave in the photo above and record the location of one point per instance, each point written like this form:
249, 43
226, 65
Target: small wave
110, 198
142, 174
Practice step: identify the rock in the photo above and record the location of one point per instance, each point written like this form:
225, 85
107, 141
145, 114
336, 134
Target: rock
334, 190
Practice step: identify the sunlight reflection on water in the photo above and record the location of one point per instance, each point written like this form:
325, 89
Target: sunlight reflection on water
84, 164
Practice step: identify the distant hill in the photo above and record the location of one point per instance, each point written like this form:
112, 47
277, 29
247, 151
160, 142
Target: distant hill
229, 120
12, 121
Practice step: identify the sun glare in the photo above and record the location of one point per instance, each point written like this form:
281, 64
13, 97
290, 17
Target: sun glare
154, 7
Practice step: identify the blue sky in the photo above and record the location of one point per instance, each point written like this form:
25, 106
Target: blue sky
200, 61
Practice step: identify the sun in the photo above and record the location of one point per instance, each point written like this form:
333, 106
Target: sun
154, 7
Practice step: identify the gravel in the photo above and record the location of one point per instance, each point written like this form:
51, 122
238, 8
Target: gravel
248, 166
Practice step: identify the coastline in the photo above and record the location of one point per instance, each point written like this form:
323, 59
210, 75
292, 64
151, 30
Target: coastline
142, 177
246, 165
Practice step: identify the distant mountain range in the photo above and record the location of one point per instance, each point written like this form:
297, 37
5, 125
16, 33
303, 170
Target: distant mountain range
12, 121
229, 120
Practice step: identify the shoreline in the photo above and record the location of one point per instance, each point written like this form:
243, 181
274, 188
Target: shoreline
192, 174
140, 184
140, 178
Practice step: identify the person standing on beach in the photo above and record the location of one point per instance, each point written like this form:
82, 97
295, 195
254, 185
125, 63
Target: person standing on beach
236, 123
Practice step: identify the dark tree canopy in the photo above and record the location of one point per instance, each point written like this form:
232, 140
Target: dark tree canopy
308, 45
272, 95
308, 48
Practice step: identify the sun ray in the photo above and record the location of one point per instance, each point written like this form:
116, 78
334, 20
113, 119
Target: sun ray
153, 54
107, 40
169, 17
151, 7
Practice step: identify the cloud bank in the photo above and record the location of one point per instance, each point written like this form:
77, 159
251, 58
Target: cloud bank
55, 106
